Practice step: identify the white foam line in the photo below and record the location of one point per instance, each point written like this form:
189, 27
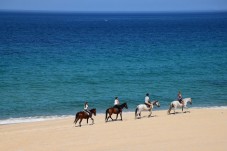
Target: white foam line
212, 107
31, 119
45, 118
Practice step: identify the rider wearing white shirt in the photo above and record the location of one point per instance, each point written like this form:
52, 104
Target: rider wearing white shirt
117, 103
147, 100
86, 108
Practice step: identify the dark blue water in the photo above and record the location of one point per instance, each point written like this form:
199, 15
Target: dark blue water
51, 63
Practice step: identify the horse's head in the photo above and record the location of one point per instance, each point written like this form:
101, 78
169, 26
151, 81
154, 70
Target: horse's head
93, 111
187, 100
125, 105
156, 103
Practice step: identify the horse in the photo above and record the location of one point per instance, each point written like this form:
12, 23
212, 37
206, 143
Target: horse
113, 110
144, 107
83, 115
176, 104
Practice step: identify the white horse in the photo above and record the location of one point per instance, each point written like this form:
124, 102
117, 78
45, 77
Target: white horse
176, 104
143, 107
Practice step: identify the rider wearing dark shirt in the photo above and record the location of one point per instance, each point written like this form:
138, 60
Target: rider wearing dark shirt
180, 98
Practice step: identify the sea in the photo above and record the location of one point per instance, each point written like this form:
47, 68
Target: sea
51, 63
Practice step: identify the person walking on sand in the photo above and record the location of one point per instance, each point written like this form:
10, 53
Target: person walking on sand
147, 100
117, 103
86, 109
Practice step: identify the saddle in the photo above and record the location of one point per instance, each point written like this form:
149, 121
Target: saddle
148, 106
119, 110
88, 114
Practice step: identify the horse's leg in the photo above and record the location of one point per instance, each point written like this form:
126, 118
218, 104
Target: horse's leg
87, 119
117, 116
140, 113
187, 109
80, 122
150, 113
110, 115
92, 120
136, 112
121, 115
76, 121
170, 107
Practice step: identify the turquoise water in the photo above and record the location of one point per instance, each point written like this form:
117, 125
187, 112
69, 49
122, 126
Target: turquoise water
51, 63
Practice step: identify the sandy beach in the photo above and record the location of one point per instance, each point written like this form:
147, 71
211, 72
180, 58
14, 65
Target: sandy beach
201, 129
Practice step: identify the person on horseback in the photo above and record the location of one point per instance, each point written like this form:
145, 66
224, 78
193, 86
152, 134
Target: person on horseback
180, 98
86, 109
117, 103
147, 100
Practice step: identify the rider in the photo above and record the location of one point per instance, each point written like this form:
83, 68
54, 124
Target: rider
180, 98
86, 109
117, 104
147, 100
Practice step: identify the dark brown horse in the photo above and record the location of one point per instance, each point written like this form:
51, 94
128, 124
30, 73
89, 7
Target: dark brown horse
117, 111
83, 115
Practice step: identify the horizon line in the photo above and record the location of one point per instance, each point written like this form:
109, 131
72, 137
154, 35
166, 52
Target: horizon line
110, 12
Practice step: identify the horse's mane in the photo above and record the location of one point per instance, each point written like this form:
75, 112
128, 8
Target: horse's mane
123, 104
154, 101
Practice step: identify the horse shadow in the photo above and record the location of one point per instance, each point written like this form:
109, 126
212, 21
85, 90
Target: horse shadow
180, 112
115, 120
146, 116
84, 125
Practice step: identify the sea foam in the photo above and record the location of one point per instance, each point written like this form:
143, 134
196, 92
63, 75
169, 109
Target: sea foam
31, 119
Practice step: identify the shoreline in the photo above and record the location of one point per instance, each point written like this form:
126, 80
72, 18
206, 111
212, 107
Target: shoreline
201, 129
32, 119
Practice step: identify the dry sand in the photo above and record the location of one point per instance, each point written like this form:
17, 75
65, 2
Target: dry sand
199, 130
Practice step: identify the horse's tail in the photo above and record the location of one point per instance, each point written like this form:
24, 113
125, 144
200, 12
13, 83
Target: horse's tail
106, 114
170, 107
136, 112
77, 115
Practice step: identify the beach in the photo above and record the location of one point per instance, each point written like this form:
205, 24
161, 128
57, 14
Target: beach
201, 129
52, 63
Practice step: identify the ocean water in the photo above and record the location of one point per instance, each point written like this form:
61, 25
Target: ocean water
51, 63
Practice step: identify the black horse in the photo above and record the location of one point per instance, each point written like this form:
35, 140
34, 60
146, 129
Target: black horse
117, 111
82, 115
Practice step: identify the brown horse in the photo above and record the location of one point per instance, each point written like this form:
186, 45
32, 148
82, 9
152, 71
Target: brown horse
83, 115
117, 111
